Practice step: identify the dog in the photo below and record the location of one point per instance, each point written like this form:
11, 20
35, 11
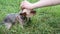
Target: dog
13, 18
21, 17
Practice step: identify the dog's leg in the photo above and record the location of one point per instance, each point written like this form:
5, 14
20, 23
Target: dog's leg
8, 25
20, 21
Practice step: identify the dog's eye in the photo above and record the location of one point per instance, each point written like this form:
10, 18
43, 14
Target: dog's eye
22, 8
33, 12
23, 14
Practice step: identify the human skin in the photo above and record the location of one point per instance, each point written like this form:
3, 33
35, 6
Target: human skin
39, 4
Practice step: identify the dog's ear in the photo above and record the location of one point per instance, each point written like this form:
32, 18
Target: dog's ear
23, 14
33, 12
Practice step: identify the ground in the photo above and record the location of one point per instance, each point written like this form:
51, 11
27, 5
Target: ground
46, 20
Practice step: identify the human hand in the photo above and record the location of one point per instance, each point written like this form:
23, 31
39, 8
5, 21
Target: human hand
27, 5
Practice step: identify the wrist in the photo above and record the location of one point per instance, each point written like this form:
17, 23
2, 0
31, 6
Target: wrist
36, 5
33, 6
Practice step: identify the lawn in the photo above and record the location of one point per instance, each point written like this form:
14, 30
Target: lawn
46, 20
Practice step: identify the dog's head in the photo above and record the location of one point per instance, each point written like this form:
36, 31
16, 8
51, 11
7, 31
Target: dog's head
28, 12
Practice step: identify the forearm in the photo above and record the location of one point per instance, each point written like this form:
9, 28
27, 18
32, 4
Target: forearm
45, 3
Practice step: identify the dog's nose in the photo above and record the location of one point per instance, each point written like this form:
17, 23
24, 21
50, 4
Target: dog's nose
20, 13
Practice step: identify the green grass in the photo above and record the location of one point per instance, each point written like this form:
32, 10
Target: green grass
46, 20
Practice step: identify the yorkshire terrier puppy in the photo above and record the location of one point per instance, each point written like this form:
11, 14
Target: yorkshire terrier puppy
21, 17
